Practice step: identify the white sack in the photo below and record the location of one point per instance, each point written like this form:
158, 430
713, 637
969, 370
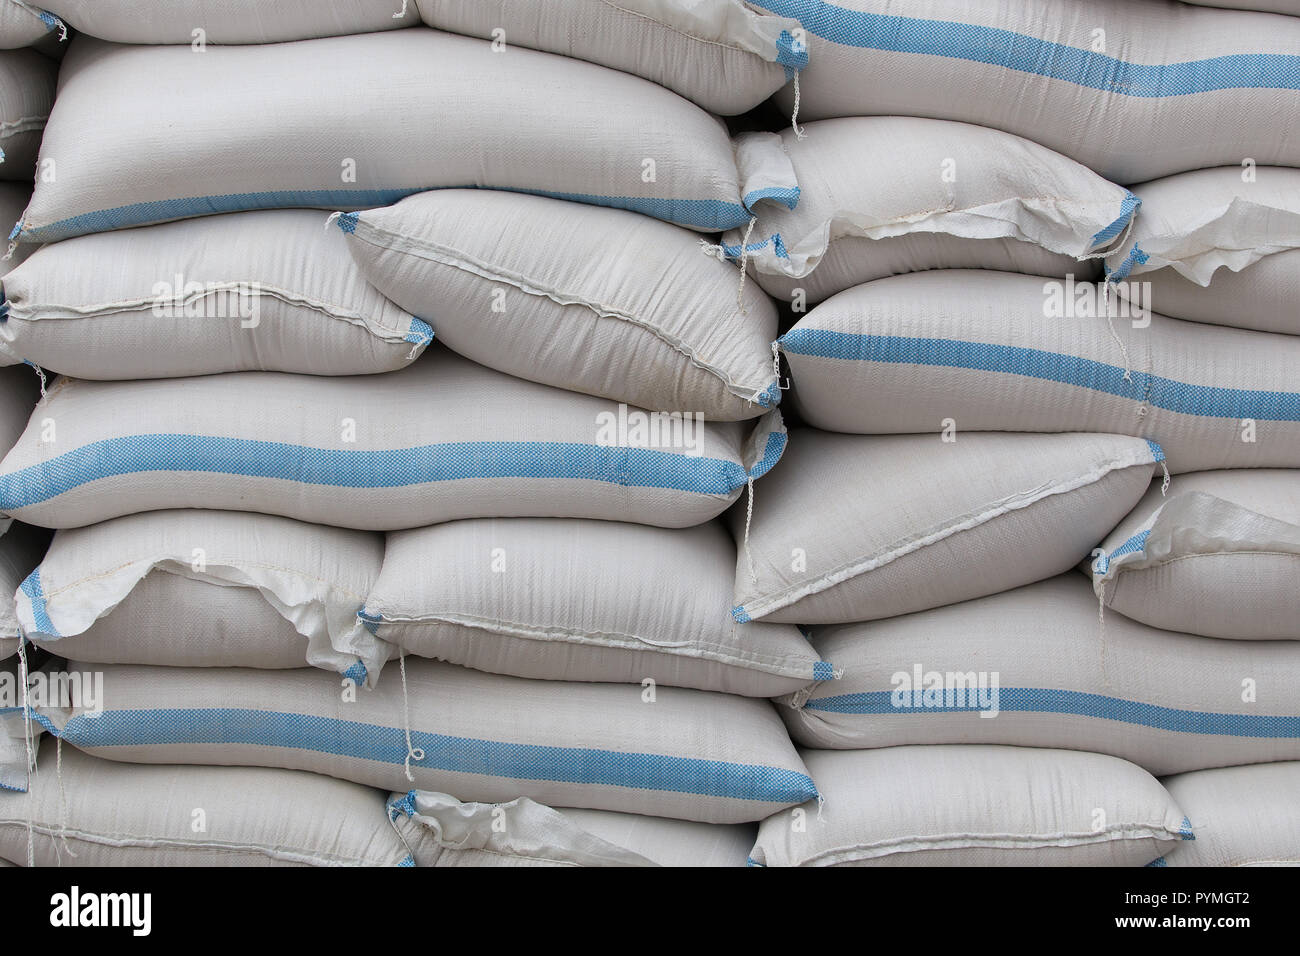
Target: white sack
439, 440
268, 290
977, 351
975, 806
854, 528
601, 301
1033, 667
566, 599
13, 200
1244, 816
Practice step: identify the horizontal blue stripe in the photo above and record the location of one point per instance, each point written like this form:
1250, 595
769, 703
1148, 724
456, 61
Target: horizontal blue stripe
1126, 210
1167, 393
787, 196
395, 468
1135, 543
490, 758
1030, 54
31, 586
1039, 700
710, 215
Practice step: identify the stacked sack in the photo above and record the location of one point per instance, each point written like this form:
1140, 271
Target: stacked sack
267, 482
999, 357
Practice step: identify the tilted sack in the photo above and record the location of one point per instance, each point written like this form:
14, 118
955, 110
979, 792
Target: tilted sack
26, 95
21, 549
268, 290
1135, 89
1217, 245
854, 528
690, 754
442, 831
1243, 816
198, 588
361, 121
567, 599
974, 806
1033, 667
113, 814
721, 55
992, 351
889, 194
439, 440
22, 24
601, 301
229, 21
1220, 556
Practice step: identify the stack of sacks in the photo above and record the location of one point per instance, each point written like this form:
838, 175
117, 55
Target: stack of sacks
245, 405
980, 413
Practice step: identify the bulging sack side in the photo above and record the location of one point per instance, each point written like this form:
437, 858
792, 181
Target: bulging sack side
1034, 667
440, 440
595, 300
955, 351
855, 528
1218, 557
692, 755
1245, 816
1098, 82
21, 550
269, 290
362, 121
975, 806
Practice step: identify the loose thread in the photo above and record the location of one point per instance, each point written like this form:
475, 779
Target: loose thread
412, 753
794, 113
744, 263
749, 517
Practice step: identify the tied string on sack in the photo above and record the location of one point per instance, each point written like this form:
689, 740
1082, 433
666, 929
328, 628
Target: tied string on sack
794, 112
27, 742
719, 252
1105, 291
412, 753
400, 14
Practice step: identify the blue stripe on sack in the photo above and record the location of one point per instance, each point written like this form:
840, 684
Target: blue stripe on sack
1126, 210
421, 332
31, 586
1135, 543
1030, 54
1136, 257
711, 215
404, 806
395, 468
491, 758
1186, 830
772, 452
823, 670
740, 615
787, 196
775, 240
1158, 861
1166, 393
356, 673
1080, 704
409, 861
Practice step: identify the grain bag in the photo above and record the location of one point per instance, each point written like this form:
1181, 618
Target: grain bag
1033, 667
690, 754
1220, 556
440, 440
1135, 89
975, 351
858, 528
207, 589
974, 806
567, 599
22, 24
91, 812
442, 831
601, 301
26, 96
721, 55
21, 550
1244, 816
890, 194
412, 110
197, 23
1219, 246
13, 200
267, 290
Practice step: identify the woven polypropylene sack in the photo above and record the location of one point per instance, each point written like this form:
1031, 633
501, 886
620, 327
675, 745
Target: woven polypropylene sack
439, 440
1218, 556
567, 599
362, 121
443, 831
1244, 816
722, 55
199, 588
854, 528
88, 812
1135, 89
691, 754
891, 194
26, 97
13, 200
21, 549
268, 290
1034, 667
975, 806
991, 351
601, 301
1219, 246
